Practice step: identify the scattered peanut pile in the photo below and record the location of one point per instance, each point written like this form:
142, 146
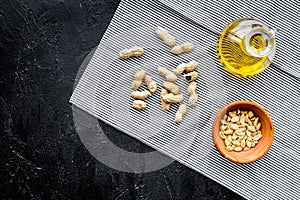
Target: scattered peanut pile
170, 93
240, 130
139, 76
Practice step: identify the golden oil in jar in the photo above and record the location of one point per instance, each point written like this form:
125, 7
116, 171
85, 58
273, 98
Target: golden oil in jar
246, 47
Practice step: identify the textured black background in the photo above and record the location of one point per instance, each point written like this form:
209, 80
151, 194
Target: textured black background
42, 45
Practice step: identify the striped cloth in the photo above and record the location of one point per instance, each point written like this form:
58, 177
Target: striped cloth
104, 92
214, 15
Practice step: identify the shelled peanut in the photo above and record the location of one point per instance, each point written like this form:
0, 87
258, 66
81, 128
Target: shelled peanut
240, 130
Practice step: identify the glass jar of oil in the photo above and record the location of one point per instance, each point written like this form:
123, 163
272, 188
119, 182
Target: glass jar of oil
246, 47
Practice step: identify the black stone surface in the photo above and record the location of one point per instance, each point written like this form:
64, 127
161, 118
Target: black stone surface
42, 45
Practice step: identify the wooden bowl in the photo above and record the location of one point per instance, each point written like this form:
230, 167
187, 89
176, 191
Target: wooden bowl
264, 144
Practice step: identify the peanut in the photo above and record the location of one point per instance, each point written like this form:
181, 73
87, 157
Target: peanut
139, 104
186, 67
183, 48
165, 36
229, 138
180, 112
257, 137
192, 87
138, 79
229, 148
192, 76
258, 126
255, 121
234, 126
193, 94
250, 114
223, 128
140, 95
236, 143
251, 128
221, 134
193, 99
235, 119
228, 118
172, 87
242, 119
171, 98
247, 148
231, 114
151, 85
164, 105
248, 133
234, 137
132, 52
229, 131
227, 143
243, 143
238, 149
240, 133
248, 143
240, 130
168, 75
225, 117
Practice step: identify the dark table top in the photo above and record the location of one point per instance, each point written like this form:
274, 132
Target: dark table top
42, 45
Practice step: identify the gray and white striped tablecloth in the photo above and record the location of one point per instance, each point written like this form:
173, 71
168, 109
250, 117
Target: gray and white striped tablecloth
214, 15
104, 89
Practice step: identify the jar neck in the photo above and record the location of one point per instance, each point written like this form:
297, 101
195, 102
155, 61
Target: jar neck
259, 42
